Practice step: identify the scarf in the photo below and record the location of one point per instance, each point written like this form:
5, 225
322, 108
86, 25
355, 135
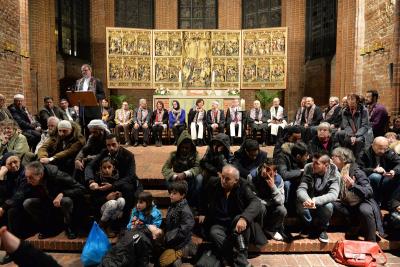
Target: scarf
199, 115
330, 112
256, 114
91, 86
298, 116
235, 114
346, 195
142, 115
159, 115
215, 114
177, 114
309, 114
276, 114
123, 116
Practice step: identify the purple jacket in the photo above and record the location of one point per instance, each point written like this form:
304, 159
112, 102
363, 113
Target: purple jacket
378, 118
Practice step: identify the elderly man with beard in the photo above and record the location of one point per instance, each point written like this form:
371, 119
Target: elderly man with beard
332, 113
51, 131
94, 145
11, 140
382, 166
257, 121
319, 188
215, 120
62, 149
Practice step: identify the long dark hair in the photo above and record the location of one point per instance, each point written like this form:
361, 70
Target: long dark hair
148, 199
177, 104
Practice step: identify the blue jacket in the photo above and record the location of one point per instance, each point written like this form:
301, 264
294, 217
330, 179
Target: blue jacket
155, 217
181, 118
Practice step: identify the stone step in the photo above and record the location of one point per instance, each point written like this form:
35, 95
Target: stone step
299, 245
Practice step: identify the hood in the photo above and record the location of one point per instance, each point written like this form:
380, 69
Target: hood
287, 148
223, 139
185, 135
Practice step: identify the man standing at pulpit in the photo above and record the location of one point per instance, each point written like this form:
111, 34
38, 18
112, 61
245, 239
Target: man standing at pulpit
90, 83
215, 120
234, 121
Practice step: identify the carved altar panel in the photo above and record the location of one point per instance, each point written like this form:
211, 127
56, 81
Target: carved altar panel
129, 58
264, 58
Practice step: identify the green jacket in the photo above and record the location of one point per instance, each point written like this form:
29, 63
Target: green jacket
175, 164
17, 144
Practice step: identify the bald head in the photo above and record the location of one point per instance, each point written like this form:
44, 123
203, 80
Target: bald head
380, 145
229, 177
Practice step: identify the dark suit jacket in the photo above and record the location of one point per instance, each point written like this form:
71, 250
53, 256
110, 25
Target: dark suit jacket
45, 113
21, 117
91, 113
164, 118
221, 118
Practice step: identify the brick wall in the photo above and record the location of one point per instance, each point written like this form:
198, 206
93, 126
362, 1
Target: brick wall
10, 59
229, 14
42, 51
166, 14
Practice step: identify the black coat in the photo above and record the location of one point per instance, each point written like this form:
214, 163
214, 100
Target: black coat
316, 119
179, 224
336, 118
389, 161
245, 164
54, 182
125, 164
164, 118
28, 256
21, 117
45, 113
315, 146
360, 122
221, 118
287, 166
91, 113
192, 115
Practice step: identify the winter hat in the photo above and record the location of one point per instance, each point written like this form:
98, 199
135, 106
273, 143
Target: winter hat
98, 124
64, 124
5, 157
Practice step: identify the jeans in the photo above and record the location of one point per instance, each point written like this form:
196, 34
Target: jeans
383, 187
273, 217
322, 214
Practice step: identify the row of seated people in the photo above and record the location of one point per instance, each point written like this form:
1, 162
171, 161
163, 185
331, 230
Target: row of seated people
245, 190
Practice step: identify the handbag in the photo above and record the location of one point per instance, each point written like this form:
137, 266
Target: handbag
358, 253
97, 245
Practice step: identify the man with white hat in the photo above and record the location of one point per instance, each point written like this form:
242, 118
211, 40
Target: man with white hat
30, 128
62, 149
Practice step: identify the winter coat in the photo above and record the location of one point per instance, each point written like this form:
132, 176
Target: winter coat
244, 163
155, 217
287, 166
179, 224
270, 197
360, 123
221, 118
13, 181
20, 115
175, 164
147, 119
164, 117
29, 256
212, 162
182, 118
328, 193
17, 144
93, 147
315, 146
62, 150
336, 118
389, 161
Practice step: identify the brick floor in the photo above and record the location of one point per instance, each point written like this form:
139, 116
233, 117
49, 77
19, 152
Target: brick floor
270, 260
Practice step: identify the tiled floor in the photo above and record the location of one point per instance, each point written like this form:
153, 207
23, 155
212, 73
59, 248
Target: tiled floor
271, 260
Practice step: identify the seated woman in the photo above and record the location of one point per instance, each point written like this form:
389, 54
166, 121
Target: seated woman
107, 198
160, 121
177, 121
197, 122
356, 200
11, 139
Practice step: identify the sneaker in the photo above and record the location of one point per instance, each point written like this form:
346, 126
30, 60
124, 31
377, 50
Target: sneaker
277, 236
323, 237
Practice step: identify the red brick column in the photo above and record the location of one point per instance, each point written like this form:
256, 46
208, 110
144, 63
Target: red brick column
229, 14
166, 14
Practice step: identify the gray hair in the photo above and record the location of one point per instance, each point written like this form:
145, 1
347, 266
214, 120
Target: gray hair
233, 169
335, 99
53, 118
324, 125
86, 65
36, 166
142, 100
345, 154
215, 103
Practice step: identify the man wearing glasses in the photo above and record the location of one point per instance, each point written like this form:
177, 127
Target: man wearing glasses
90, 83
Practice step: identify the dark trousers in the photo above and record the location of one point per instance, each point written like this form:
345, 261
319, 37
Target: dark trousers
157, 132
44, 213
362, 214
219, 129
255, 128
123, 129
146, 132
177, 130
344, 141
33, 138
273, 217
225, 240
272, 139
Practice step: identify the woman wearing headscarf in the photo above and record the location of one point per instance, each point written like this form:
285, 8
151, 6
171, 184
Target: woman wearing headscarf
177, 121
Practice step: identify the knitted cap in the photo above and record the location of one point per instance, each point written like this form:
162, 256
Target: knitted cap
98, 124
64, 124
19, 96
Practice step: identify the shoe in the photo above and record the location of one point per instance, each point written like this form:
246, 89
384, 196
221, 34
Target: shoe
263, 144
158, 144
305, 232
277, 236
144, 144
70, 233
136, 144
6, 259
323, 237
44, 235
128, 143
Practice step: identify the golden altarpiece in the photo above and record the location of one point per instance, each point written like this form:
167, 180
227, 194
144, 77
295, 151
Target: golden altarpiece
187, 64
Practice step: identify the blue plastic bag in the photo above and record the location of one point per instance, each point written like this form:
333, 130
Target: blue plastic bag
97, 245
